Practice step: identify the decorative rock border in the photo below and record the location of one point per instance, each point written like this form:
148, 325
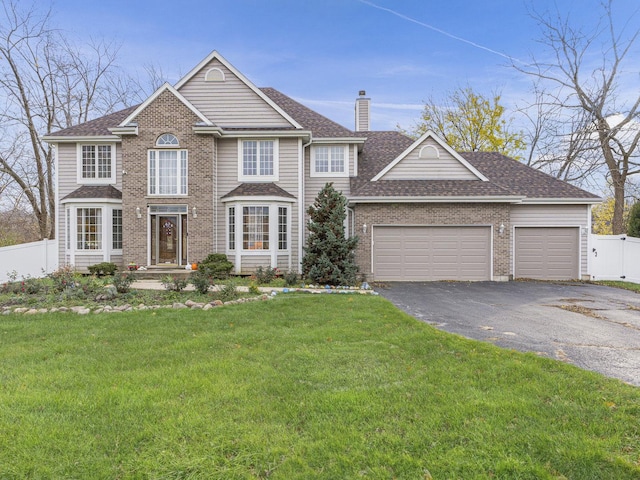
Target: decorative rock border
81, 310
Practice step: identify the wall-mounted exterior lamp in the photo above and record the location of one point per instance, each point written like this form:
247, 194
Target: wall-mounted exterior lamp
194, 212
501, 229
138, 212
364, 228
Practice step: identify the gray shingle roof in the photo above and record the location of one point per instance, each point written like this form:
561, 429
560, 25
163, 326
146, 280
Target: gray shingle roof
95, 191
96, 127
258, 189
507, 177
320, 125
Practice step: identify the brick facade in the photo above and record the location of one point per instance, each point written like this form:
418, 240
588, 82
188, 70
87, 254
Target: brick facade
167, 114
435, 214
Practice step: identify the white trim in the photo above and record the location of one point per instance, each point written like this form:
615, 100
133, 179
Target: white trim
348, 140
437, 199
566, 201
242, 78
439, 141
81, 138
128, 130
80, 180
257, 198
250, 133
102, 201
345, 159
165, 87
355, 161
259, 178
179, 184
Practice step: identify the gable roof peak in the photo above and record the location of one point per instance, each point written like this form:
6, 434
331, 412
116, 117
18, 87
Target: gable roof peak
444, 145
164, 88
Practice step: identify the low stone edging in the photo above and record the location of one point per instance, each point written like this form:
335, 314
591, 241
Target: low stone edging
190, 304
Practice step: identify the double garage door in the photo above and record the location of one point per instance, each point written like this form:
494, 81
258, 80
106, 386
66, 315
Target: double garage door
412, 253
547, 253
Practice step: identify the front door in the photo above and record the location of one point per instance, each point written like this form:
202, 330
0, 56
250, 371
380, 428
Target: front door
168, 239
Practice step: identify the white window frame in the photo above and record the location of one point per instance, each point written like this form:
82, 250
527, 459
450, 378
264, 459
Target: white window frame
81, 239
274, 224
258, 177
182, 174
111, 180
112, 226
330, 173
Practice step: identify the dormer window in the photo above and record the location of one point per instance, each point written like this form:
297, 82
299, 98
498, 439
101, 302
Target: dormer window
167, 140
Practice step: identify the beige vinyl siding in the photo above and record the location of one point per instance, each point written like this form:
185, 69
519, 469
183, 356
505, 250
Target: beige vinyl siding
83, 261
230, 103
251, 262
554, 216
227, 172
67, 175
436, 164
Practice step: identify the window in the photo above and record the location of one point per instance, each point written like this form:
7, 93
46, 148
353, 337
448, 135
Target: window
232, 228
329, 161
167, 172
255, 228
282, 228
89, 228
116, 228
258, 160
96, 164
167, 140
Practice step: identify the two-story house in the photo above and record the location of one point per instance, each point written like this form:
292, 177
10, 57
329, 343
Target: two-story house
215, 164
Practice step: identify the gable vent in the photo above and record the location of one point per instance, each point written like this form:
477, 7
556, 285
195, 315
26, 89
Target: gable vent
214, 75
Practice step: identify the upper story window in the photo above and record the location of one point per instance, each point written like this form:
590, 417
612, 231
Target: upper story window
258, 160
167, 172
167, 140
96, 163
329, 161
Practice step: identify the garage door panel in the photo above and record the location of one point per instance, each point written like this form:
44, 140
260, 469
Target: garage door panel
546, 253
432, 253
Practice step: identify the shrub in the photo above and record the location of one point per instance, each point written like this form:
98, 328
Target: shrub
265, 275
104, 268
64, 278
201, 280
122, 281
253, 288
329, 256
228, 292
174, 284
216, 265
291, 278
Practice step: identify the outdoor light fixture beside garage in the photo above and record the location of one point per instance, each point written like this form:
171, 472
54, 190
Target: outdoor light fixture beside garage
138, 212
501, 229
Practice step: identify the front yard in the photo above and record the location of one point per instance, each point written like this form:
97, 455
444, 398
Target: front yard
302, 386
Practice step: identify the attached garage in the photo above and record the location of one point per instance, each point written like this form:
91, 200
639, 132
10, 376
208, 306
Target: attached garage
547, 253
417, 253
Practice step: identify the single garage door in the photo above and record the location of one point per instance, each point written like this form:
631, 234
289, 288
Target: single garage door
547, 253
431, 253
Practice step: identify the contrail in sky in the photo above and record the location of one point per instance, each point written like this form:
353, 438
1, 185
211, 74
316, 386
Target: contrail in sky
435, 29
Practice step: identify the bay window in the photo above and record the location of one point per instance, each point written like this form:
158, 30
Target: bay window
89, 228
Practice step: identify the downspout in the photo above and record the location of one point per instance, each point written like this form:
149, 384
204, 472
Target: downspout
301, 200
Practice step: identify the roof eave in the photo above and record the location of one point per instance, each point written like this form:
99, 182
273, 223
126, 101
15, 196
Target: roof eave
438, 199
564, 201
80, 138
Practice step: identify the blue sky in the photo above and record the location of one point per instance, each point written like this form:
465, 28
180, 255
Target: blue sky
322, 52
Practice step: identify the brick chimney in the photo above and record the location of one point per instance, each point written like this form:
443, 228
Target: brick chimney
363, 112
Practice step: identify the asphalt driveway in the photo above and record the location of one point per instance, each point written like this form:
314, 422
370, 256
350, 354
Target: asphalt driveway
591, 326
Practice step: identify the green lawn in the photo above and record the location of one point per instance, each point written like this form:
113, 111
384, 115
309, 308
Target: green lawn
303, 386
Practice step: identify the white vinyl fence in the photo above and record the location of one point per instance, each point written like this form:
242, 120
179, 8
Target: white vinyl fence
615, 257
35, 259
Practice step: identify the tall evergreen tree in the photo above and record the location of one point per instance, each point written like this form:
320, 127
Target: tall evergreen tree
633, 227
329, 256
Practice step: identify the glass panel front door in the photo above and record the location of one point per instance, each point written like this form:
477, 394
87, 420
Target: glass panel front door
168, 239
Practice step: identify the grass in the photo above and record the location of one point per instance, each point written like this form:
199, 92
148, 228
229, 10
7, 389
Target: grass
634, 287
303, 386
